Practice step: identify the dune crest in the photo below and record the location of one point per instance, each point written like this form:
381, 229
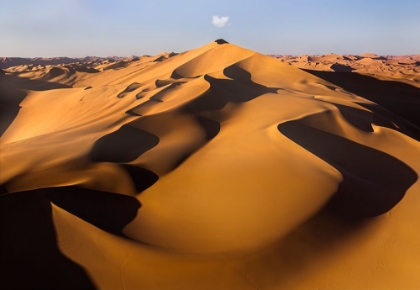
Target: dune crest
208, 163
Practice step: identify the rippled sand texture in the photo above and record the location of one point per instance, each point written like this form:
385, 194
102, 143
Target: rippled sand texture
215, 168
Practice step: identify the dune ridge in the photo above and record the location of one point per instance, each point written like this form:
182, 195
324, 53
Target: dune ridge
215, 168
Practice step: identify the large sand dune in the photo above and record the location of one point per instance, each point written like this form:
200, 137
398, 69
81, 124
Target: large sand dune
215, 168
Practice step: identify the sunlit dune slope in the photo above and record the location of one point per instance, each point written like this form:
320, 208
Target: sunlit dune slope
204, 165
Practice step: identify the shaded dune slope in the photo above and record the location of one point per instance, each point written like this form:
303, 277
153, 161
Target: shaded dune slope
124, 145
399, 98
369, 187
215, 151
30, 257
12, 90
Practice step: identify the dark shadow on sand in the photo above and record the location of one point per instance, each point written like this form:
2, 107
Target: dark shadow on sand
14, 82
134, 86
108, 211
341, 68
3, 190
383, 117
380, 117
124, 145
399, 98
374, 182
240, 89
8, 114
211, 127
142, 178
29, 256
358, 118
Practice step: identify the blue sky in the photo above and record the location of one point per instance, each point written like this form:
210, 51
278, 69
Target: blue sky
76, 28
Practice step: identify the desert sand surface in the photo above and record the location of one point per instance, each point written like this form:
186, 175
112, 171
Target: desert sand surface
403, 68
214, 168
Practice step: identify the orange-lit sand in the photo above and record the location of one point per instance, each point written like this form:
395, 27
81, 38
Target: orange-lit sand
217, 168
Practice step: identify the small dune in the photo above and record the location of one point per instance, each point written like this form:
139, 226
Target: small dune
129, 89
54, 72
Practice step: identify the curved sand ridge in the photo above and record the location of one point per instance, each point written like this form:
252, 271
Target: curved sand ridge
174, 160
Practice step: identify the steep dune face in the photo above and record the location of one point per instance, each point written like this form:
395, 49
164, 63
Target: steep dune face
219, 156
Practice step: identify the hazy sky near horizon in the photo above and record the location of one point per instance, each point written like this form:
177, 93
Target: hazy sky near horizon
78, 28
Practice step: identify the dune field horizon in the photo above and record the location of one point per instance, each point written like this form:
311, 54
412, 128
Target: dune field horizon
217, 167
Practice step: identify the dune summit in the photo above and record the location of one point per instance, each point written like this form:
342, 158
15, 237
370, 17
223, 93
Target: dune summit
215, 168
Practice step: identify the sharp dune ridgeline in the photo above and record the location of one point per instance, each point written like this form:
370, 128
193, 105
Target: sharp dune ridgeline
215, 168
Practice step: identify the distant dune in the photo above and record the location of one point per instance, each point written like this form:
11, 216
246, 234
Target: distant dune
215, 168
404, 68
6, 62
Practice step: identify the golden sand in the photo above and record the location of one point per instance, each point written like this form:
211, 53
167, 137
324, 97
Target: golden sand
216, 168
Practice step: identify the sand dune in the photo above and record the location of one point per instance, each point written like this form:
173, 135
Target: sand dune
215, 168
394, 68
14, 62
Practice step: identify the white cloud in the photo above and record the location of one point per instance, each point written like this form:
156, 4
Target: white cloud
220, 21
